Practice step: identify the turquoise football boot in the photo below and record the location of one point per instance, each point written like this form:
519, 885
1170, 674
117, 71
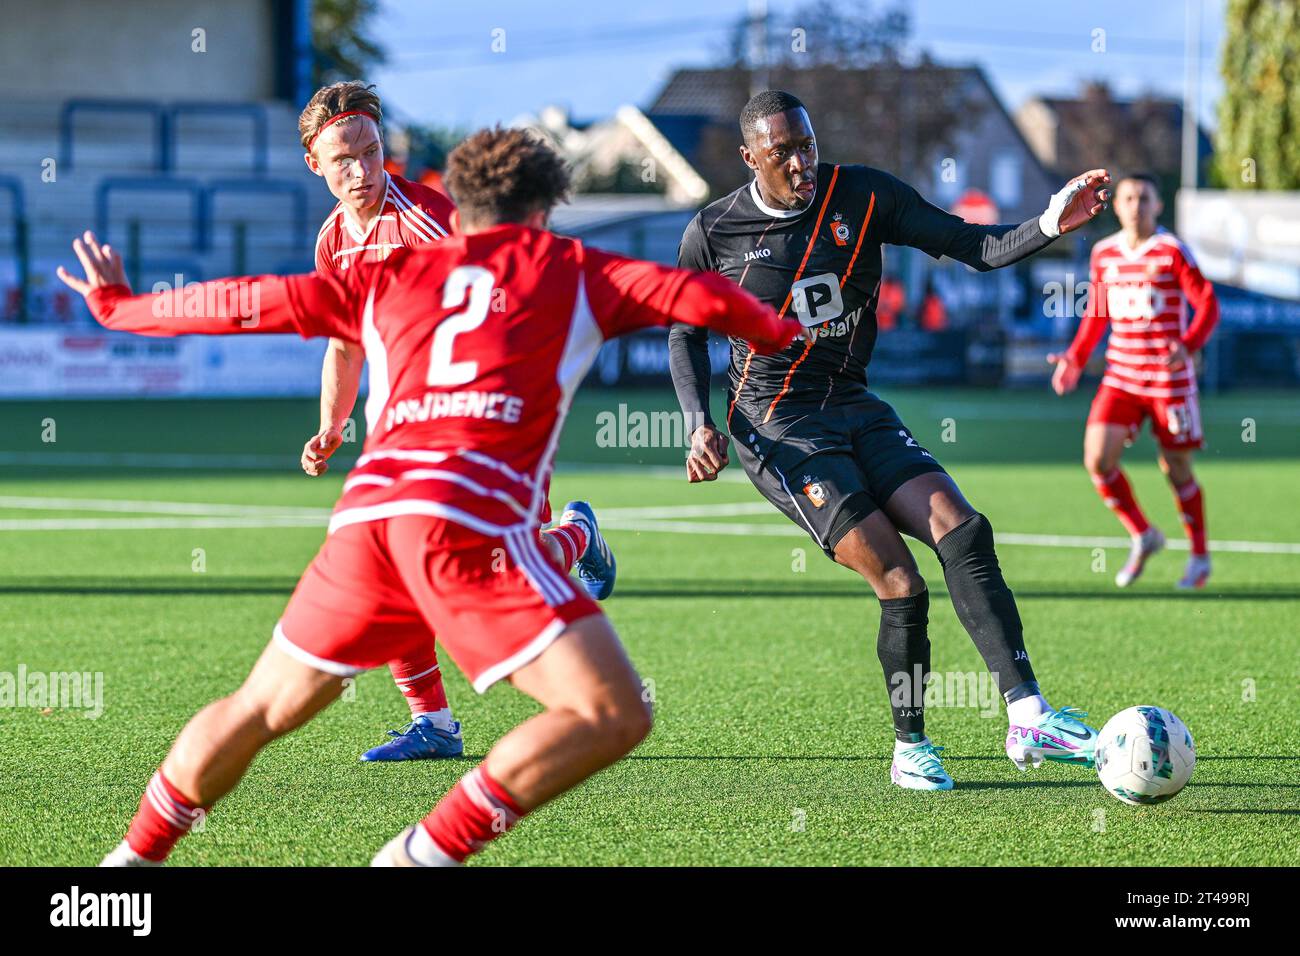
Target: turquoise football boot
918, 768
1058, 735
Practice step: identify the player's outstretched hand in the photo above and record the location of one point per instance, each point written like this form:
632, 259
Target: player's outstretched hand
321, 445
1083, 197
102, 264
708, 454
1066, 377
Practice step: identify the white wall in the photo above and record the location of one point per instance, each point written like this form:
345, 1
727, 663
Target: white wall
137, 48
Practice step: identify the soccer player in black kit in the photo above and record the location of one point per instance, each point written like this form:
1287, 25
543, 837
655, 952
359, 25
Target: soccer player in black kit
805, 237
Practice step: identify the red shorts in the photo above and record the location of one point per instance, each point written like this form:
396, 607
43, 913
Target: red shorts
1176, 422
380, 590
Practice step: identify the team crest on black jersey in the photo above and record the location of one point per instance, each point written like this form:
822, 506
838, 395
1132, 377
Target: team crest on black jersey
812, 487
840, 230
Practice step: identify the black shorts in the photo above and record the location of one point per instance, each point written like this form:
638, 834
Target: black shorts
828, 468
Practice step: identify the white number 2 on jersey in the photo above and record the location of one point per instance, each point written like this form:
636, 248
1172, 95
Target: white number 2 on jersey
477, 282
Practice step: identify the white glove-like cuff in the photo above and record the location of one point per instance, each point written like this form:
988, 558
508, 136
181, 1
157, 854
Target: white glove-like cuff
1050, 221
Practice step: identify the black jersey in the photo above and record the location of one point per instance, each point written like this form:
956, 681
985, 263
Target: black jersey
821, 264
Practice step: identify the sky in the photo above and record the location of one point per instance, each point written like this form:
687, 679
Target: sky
593, 57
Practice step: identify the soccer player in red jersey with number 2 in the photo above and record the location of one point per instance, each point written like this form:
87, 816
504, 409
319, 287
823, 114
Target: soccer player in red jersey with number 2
476, 345
377, 213
1161, 310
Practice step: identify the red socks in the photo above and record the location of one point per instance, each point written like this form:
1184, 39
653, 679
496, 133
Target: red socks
473, 812
1191, 506
1118, 495
572, 539
163, 818
420, 681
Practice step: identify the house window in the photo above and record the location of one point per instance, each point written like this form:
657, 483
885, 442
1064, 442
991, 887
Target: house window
949, 175
1004, 179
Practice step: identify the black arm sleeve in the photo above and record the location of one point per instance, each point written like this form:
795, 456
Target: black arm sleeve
688, 345
922, 225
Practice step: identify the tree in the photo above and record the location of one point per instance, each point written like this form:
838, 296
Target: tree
344, 49
848, 64
1258, 141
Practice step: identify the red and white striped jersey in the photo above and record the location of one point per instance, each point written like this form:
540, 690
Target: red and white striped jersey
411, 215
1150, 296
476, 345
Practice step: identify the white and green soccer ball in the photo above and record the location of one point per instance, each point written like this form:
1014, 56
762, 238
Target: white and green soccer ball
1145, 755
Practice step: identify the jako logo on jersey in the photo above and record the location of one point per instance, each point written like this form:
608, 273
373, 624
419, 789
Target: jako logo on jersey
839, 230
757, 254
812, 487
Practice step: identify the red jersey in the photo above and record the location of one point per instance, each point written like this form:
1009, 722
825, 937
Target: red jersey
1149, 295
476, 345
411, 215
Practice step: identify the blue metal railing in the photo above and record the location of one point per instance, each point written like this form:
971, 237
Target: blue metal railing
255, 112
14, 187
282, 187
198, 201
22, 256
165, 120
150, 108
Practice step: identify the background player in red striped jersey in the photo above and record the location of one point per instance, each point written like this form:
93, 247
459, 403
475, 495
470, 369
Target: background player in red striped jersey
436, 530
379, 212
1161, 310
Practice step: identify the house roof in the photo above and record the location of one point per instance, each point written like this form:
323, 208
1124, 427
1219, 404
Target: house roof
682, 130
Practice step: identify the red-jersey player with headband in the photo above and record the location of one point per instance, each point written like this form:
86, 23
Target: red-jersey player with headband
379, 212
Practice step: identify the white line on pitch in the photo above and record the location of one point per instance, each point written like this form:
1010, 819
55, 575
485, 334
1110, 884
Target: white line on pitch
622, 519
160, 524
1010, 538
155, 507
215, 462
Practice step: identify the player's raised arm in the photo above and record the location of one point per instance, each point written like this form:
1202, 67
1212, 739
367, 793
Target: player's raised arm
912, 221
628, 294
309, 305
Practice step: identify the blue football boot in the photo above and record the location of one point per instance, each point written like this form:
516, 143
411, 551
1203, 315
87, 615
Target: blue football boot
596, 566
419, 740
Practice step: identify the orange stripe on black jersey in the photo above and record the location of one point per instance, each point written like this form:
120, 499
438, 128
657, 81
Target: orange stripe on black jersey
866, 221
785, 386
744, 374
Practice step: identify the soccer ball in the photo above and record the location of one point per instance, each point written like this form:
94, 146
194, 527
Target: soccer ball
1145, 755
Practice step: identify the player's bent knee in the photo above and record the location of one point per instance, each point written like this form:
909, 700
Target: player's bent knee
274, 713
620, 724
972, 540
899, 582
1099, 465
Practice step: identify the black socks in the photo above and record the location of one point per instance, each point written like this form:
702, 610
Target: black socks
984, 603
904, 651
